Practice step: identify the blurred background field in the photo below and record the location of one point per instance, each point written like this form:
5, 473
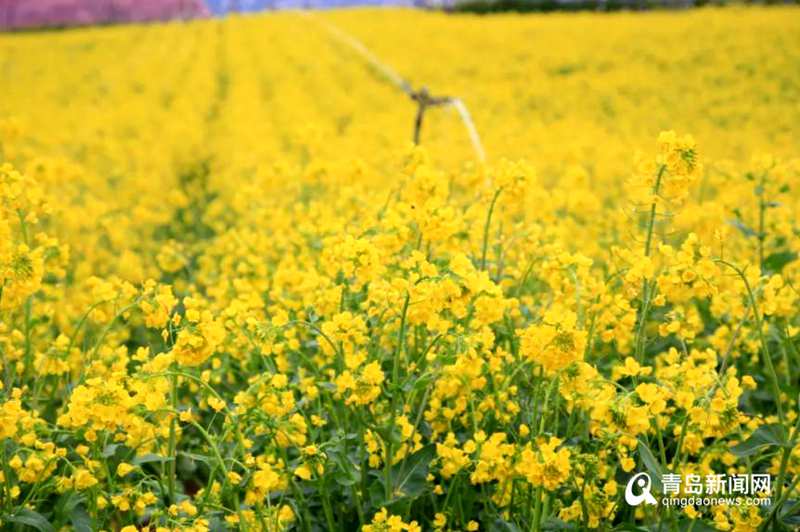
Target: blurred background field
28, 14
551, 88
132, 108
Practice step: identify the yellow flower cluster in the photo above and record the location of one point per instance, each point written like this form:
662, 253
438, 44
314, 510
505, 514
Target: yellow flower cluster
233, 297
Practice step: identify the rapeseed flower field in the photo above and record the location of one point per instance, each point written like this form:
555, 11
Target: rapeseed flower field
234, 295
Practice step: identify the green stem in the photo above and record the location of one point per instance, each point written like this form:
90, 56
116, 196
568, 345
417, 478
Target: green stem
547, 394
326, 506
759, 326
213, 447
536, 525
778, 504
395, 386
172, 438
787, 452
646, 286
486, 228
651, 222
762, 208
661, 449
399, 351
28, 358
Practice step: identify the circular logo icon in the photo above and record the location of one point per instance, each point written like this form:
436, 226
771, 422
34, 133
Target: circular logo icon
641, 482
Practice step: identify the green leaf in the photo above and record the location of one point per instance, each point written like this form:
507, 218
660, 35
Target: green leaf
194, 456
789, 515
376, 495
764, 436
501, 525
409, 476
694, 525
64, 508
30, 518
630, 527
746, 231
652, 464
791, 520
776, 261
346, 472
80, 520
554, 523
109, 450
148, 458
